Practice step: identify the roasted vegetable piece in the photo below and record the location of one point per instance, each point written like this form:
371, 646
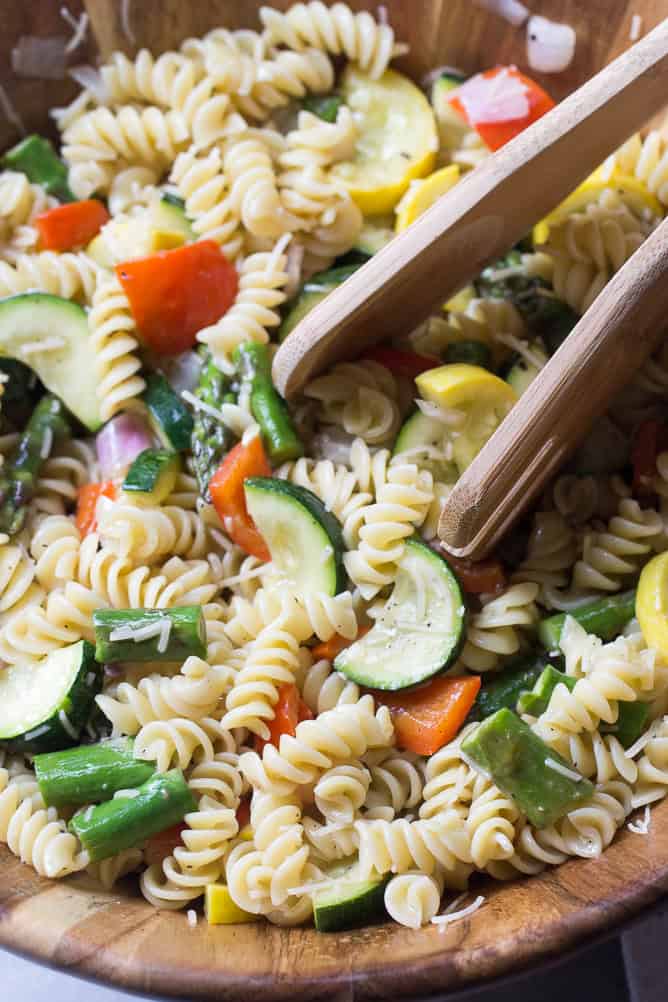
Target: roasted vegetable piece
631, 717
160, 802
268, 408
149, 634
20, 392
35, 157
90, 773
48, 424
211, 439
505, 689
605, 617
542, 783
325, 106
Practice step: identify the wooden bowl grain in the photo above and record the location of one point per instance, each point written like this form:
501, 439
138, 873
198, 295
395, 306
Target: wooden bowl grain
117, 936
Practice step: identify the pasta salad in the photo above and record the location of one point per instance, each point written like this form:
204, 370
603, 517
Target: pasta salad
235, 659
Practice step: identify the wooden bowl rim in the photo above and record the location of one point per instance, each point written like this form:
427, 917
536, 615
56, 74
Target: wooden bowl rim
119, 939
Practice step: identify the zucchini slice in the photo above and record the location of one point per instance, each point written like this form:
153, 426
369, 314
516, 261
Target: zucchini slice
170, 418
304, 539
424, 439
152, 475
67, 371
312, 293
420, 631
349, 903
45, 706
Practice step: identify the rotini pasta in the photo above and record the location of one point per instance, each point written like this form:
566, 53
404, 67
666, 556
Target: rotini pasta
336, 30
112, 330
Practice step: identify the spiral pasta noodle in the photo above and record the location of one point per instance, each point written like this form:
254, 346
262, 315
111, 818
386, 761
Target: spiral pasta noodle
427, 845
644, 158
493, 632
109, 871
253, 187
175, 742
337, 488
194, 693
345, 732
18, 587
102, 138
360, 397
412, 899
253, 312
34, 833
72, 276
400, 507
396, 784
147, 535
202, 184
336, 30
341, 791
272, 661
112, 330
616, 553
323, 689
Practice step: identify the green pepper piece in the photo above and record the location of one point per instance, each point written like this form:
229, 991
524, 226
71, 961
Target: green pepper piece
605, 618
542, 784
325, 106
505, 688
35, 157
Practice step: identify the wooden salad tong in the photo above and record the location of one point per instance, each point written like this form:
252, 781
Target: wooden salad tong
477, 222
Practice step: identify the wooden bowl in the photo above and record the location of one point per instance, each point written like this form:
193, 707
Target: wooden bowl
117, 936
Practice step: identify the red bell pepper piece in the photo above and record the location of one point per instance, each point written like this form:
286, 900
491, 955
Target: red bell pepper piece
72, 225
481, 577
328, 649
402, 363
87, 498
289, 711
163, 844
427, 718
174, 294
496, 133
227, 493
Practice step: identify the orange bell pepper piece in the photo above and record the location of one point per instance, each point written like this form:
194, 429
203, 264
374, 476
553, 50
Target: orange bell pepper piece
427, 718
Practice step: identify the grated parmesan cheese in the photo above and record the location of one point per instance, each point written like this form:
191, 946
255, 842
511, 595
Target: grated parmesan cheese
47, 442
453, 914
66, 724
46, 344
641, 827
191, 915
139, 633
79, 26
563, 770
125, 22
165, 630
512, 10
636, 27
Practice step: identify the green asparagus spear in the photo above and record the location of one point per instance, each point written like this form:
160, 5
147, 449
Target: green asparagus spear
268, 407
35, 157
149, 634
605, 617
325, 106
505, 689
159, 803
21, 392
47, 424
211, 439
89, 773
542, 783
631, 717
